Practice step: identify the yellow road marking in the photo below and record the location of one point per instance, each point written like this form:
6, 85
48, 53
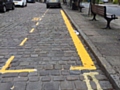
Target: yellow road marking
32, 30
87, 82
12, 88
22, 43
3, 70
92, 74
18, 71
40, 19
86, 59
35, 19
37, 23
8, 63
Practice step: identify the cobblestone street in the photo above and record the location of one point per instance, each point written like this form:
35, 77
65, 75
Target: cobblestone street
39, 49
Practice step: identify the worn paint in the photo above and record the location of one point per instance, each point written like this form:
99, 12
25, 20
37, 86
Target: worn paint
31, 31
37, 23
92, 75
23, 42
35, 19
7, 64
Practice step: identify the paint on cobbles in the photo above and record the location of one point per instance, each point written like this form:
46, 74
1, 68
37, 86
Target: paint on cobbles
7, 64
92, 75
32, 30
23, 42
83, 54
18, 71
37, 23
36, 19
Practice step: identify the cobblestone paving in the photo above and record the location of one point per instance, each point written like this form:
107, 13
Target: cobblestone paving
49, 49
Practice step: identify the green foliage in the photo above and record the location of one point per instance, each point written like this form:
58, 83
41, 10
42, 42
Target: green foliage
115, 1
100, 1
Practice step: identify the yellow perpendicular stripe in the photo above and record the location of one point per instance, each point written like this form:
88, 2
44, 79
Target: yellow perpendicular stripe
35, 19
32, 30
85, 58
82, 67
22, 43
18, 71
7, 64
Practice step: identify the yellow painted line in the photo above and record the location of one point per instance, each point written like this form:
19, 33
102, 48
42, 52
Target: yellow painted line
12, 88
87, 82
46, 11
7, 64
22, 43
83, 54
37, 23
92, 74
32, 30
18, 71
82, 67
35, 19
96, 81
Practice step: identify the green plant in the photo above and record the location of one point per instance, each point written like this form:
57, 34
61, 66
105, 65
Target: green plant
115, 1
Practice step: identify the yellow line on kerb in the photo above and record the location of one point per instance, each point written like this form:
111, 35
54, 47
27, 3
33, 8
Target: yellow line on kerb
22, 43
83, 54
18, 71
7, 64
32, 30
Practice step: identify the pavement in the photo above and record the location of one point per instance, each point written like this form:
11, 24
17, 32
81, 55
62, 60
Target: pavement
104, 43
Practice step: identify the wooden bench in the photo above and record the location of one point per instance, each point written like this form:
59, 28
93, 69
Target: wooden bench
101, 11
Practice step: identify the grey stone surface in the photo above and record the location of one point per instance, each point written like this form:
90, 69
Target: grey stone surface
75, 72
18, 79
67, 86
72, 78
34, 86
20, 85
45, 78
49, 49
33, 79
5, 86
6, 80
23, 74
8, 75
59, 78
80, 85
51, 86
105, 84
55, 72
44, 73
